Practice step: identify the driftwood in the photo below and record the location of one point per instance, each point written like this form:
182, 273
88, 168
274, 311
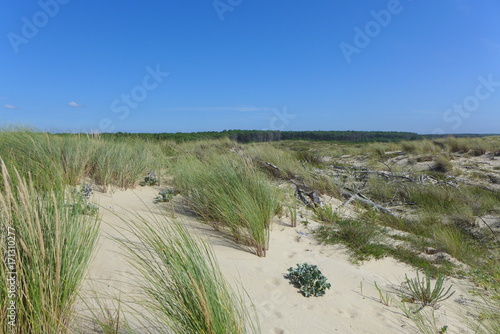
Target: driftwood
305, 193
311, 198
362, 172
360, 197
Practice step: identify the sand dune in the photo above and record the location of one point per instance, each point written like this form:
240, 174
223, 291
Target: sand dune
352, 305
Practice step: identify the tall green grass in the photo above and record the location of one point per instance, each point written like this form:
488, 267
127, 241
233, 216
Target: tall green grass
287, 161
54, 242
231, 194
186, 292
72, 158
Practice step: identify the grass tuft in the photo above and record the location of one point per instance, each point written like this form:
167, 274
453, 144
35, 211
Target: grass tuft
54, 243
186, 292
232, 195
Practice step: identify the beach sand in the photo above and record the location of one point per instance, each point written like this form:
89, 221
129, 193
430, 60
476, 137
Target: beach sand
352, 305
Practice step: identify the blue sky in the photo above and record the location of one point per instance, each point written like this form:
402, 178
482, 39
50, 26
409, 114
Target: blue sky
169, 66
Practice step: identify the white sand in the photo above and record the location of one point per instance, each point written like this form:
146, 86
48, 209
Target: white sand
281, 309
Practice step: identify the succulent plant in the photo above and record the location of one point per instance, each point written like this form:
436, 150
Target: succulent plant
87, 190
150, 180
164, 196
309, 279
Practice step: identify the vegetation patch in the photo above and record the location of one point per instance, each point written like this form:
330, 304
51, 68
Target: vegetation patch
309, 279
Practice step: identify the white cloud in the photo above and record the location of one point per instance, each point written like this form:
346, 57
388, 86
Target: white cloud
74, 104
10, 106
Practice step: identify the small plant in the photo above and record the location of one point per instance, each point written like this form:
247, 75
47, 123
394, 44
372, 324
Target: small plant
150, 180
309, 279
425, 320
326, 214
292, 211
421, 290
81, 203
384, 296
87, 190
165, 195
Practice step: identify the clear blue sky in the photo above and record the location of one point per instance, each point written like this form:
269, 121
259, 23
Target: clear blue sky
408, 65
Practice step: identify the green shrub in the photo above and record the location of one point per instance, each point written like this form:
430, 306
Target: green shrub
309, 279
326, 214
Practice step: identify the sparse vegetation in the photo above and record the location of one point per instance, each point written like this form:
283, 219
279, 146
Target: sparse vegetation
440, 195
360, 237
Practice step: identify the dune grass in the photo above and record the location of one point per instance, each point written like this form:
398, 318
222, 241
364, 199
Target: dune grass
186, 292
287, 161
361, 237
54, 242
232, 195
73, 158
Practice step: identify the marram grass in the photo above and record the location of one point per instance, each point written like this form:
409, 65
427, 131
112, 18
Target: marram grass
231, 194
73, 158
54, 243
185, 290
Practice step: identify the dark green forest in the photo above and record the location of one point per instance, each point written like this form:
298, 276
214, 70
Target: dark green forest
247, 136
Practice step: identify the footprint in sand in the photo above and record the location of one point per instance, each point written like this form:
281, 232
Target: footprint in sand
278, 331
291, 254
